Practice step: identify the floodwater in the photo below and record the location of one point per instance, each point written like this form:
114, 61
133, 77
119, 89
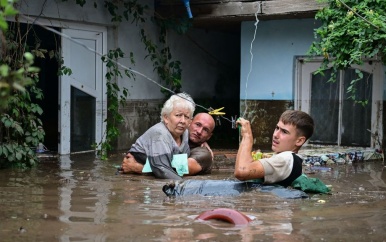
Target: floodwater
79, 198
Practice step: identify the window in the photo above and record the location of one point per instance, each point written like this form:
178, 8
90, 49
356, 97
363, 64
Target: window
339, 120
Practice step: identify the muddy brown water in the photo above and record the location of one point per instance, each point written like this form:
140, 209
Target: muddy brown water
79, 198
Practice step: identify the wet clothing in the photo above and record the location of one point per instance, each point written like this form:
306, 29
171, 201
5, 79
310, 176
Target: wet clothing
226, 188
158, 146
282, 168
203, 157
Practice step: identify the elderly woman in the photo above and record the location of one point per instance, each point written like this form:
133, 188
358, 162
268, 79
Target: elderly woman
167, 138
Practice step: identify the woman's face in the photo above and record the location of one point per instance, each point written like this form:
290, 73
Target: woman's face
178, 121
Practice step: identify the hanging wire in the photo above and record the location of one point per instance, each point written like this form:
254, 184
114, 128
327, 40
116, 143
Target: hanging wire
35, 21
251, 61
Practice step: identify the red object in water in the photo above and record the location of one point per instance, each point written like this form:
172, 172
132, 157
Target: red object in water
225, 214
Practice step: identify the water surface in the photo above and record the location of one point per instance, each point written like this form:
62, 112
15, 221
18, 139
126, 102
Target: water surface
79, 198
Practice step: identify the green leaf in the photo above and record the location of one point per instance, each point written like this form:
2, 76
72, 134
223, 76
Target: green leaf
7, 123
4, 70
19, 156
3, 25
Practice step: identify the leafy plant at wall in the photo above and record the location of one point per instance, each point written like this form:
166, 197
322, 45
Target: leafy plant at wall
351, 31
168, 69
116, 98
20, 126
10, 81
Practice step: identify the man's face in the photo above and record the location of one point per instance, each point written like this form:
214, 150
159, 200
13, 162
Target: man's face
285, 138
201, 128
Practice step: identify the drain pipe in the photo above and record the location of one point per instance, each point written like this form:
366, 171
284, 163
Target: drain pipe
187, 6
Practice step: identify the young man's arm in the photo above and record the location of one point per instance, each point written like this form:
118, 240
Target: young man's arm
246, 168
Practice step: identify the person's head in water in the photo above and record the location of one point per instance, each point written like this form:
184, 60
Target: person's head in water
177, 113
201, 128
292, 131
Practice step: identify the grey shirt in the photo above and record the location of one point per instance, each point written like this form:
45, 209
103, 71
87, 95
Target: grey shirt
159, 146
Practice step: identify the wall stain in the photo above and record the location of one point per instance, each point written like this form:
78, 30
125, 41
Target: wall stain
139, 115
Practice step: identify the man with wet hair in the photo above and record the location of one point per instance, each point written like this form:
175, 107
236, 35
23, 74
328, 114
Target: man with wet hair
200, 159
292, 131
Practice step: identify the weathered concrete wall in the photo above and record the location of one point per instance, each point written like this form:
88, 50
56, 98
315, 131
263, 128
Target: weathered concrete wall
143, 113
139, 116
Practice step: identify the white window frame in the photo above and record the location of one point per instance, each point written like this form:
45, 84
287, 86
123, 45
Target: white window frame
304, 67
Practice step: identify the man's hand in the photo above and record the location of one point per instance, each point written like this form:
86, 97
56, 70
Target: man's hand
130, 165
205, 144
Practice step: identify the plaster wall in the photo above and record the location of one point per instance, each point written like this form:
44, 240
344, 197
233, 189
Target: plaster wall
66, 11
270, 74
209, 61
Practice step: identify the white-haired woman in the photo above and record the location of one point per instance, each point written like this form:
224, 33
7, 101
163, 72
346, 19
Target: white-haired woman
167, 138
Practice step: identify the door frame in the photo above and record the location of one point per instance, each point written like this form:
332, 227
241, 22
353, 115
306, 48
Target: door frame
302, 98
101, 105
65, 83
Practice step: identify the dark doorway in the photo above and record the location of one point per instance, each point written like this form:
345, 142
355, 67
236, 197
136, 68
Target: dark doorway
82, 120
40, 38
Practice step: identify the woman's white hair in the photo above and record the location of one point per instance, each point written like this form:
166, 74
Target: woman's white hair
181, 100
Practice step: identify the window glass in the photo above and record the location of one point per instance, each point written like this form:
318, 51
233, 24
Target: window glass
357, 119
324, 108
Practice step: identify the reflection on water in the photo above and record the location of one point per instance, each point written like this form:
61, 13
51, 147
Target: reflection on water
83, 200
79, 198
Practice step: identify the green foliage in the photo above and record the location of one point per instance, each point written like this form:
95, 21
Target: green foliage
6, 10
20, 127
125, 10
116, 98
168, 69
351, 31
10, 79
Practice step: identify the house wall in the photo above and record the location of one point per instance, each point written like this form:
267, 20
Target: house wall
209, 74
274, 48
266, 83
209, 60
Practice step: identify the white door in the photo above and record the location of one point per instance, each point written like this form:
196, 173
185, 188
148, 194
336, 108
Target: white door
82, 96
338, 119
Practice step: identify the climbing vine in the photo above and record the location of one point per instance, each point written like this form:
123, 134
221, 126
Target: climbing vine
20, 126
11, 80
116, 98
168, 69
21, 129
351, 31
